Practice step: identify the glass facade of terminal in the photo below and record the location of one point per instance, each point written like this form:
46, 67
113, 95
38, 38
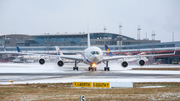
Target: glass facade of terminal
63, 40
78, 39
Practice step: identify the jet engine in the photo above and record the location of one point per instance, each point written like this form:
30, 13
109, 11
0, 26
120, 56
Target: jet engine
141, 62
41, 61
124, 64
60, 63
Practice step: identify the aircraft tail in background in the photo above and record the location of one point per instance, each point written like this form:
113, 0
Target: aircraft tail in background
18, 49
108, 53
4, 48
59, 52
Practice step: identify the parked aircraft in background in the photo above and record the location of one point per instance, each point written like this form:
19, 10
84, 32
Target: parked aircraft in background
94, 55
32, 57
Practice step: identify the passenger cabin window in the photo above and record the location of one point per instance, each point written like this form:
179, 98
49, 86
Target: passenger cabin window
95, 52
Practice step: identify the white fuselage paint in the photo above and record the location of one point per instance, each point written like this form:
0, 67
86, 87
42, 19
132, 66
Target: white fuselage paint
90, 58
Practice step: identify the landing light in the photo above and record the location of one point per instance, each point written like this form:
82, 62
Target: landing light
93, 65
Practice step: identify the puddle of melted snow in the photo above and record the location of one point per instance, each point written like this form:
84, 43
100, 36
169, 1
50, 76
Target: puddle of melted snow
151, 86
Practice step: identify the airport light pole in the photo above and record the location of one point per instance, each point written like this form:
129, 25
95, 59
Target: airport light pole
172, 36
105, 29
153, 38
138, 38
120, 33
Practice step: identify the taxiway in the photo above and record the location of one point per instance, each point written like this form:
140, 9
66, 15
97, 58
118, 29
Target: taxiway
22, 73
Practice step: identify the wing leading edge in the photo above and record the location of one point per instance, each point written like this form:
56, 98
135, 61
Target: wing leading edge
122, 57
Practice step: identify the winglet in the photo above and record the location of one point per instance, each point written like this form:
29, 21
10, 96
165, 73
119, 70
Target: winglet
59, 52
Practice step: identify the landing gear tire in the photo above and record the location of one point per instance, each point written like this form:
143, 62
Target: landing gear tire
89, 68
75, 68
92, 68
106, 68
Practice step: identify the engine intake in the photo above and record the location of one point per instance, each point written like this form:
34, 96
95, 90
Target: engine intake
141, 62
124, 64
41, 61
60, 63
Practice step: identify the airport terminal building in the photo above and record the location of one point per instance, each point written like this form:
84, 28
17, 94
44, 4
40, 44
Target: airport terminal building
78, 41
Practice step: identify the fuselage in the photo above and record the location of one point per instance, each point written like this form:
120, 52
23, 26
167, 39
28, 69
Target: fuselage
92, 55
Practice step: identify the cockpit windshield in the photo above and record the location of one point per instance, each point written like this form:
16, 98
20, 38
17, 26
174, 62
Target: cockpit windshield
95, 52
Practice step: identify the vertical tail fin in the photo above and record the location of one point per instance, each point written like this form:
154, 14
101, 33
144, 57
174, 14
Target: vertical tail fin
108, 53
18, 49
142, 53
4, 48
59, 52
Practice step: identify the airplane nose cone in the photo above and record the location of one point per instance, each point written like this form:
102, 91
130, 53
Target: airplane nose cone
95, 59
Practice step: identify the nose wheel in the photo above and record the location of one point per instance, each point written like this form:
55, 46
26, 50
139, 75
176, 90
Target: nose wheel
106, 68
92, 68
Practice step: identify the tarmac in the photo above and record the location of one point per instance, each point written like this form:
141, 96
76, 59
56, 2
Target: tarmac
23, 73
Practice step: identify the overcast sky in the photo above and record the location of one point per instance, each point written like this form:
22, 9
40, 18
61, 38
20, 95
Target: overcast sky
72, 16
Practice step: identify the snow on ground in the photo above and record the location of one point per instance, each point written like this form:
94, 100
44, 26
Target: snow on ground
67, 68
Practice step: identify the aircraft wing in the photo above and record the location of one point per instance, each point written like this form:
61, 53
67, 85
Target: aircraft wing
72, 57
107, 58
155, 55
133, 56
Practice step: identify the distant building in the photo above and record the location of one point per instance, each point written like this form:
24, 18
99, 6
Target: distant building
69, 39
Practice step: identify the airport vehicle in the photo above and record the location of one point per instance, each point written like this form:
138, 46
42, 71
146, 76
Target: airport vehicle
94, 55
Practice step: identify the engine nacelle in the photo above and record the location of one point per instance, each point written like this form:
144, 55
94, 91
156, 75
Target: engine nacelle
60, 63
124, 64
41, 61
141, 62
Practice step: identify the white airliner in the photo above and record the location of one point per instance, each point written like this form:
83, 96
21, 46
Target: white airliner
94, 55
31, 57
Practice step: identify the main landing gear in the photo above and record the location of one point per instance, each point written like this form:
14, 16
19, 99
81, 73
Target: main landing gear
75, 67
92, 68
106, 68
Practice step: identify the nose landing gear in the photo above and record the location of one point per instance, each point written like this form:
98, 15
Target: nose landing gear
92, 68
